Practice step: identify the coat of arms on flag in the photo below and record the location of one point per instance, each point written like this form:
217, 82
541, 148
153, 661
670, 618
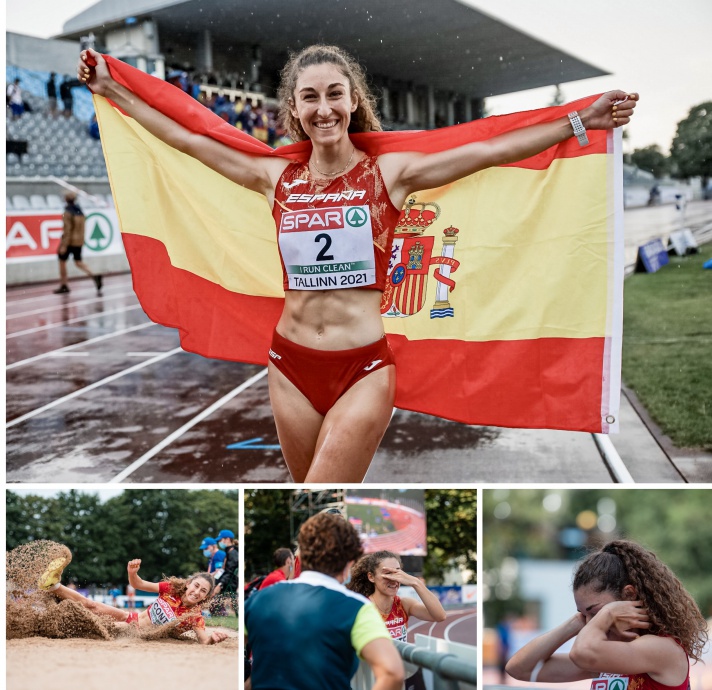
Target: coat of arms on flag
411, 257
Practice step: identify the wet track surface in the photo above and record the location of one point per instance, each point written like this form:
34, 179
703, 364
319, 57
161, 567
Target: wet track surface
459, 626
97, 393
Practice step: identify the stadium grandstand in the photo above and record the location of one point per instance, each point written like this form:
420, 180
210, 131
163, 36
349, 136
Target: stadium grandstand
430, 65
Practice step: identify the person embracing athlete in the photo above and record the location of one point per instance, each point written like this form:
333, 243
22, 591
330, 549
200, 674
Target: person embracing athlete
331, 373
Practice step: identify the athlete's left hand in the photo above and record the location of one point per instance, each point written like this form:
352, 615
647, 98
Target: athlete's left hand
217, 636
399, 576
611, 110
626, 617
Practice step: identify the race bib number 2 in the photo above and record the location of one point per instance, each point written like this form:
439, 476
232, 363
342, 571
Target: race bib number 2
328, 248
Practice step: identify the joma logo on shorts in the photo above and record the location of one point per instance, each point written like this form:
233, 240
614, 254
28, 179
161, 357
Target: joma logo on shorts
312, 219
339, 196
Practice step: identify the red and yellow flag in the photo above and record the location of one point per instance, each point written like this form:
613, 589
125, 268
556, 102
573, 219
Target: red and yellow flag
504, 298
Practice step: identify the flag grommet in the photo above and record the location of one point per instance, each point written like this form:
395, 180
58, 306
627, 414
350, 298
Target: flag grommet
610, 419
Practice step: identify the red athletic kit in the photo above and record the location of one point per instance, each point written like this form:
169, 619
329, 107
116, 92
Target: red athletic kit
333, 234
168, 607
397, 621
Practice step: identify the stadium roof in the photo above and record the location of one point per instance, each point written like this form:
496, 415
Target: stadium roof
444, 43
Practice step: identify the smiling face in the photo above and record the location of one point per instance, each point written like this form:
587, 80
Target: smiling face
323, 103
196, 590
383, 584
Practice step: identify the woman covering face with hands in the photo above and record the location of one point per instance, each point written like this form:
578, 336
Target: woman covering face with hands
634, 620
379, 576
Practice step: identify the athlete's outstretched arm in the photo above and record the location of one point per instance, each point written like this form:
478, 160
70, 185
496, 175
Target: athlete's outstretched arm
258, 173
409, 172
537, 657
137, 582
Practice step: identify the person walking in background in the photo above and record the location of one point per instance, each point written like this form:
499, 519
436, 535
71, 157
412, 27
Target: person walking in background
634, 621
307, 634
284, 561
72, 242
52, 94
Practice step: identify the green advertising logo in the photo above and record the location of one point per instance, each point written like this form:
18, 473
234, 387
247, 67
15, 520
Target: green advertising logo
356, 217
99, 232
616, 684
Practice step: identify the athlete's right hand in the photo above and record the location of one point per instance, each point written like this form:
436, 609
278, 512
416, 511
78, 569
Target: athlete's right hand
93, 71
133, 566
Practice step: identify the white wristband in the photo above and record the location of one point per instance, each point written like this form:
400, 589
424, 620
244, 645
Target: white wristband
579, 129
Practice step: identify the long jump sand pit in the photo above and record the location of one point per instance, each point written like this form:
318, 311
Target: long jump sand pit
64, 646
69, 664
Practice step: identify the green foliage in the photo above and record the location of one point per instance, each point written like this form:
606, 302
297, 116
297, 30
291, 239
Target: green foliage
452, 531
266, 528
673, 523
667, 338
652, 159
691, 150
163, 528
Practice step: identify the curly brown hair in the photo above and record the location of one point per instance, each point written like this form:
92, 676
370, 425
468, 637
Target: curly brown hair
369, 564
364, 119
327, 543
671, 609
180, 584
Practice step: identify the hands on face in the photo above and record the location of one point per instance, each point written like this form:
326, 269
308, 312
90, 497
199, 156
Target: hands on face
398, 575
627, 617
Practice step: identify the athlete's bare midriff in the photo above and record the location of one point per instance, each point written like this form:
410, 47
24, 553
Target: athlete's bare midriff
332, 319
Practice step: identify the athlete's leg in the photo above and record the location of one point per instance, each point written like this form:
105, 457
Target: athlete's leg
95, 606
62, 272
298, 423
83, 267
353, 428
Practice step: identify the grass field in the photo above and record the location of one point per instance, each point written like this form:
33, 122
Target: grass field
667, 347
222, 622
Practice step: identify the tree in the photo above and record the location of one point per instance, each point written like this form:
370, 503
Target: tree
266, 528
652, 159
691, 150
452, 531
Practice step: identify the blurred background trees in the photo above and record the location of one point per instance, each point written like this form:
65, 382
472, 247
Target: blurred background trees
162, 527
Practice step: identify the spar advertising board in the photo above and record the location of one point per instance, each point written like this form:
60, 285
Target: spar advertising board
35, 235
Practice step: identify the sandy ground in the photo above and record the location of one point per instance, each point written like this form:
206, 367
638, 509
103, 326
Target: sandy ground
69, 664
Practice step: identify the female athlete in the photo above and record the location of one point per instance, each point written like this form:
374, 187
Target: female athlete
331, 372
634, 621
178, 600
379, 576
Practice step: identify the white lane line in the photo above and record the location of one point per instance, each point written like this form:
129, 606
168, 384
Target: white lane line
77, 319
79, 303
91, 341
69, 354
188, 425
91, 387
142, 354
454, 623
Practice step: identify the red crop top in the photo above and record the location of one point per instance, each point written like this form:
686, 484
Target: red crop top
334, 234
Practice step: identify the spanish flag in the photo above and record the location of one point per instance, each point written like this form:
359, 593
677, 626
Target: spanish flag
503, 303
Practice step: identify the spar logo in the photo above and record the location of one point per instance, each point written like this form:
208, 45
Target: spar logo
98, 232
610, 683
356, 217
312, 219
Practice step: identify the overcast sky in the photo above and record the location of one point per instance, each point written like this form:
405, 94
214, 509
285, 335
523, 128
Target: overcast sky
660, 48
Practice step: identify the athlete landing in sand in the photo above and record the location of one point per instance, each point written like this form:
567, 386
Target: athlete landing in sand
178, 600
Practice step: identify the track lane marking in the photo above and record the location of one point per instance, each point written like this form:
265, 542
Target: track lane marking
91, 387
79, 303
186, 427
77, 319
91, 341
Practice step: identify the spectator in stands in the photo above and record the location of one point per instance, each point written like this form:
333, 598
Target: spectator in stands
227, 582
307, 634
284, 561
52, 94
130, 597
247, 118
94, 128
14, 99
65, 93
72, 242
